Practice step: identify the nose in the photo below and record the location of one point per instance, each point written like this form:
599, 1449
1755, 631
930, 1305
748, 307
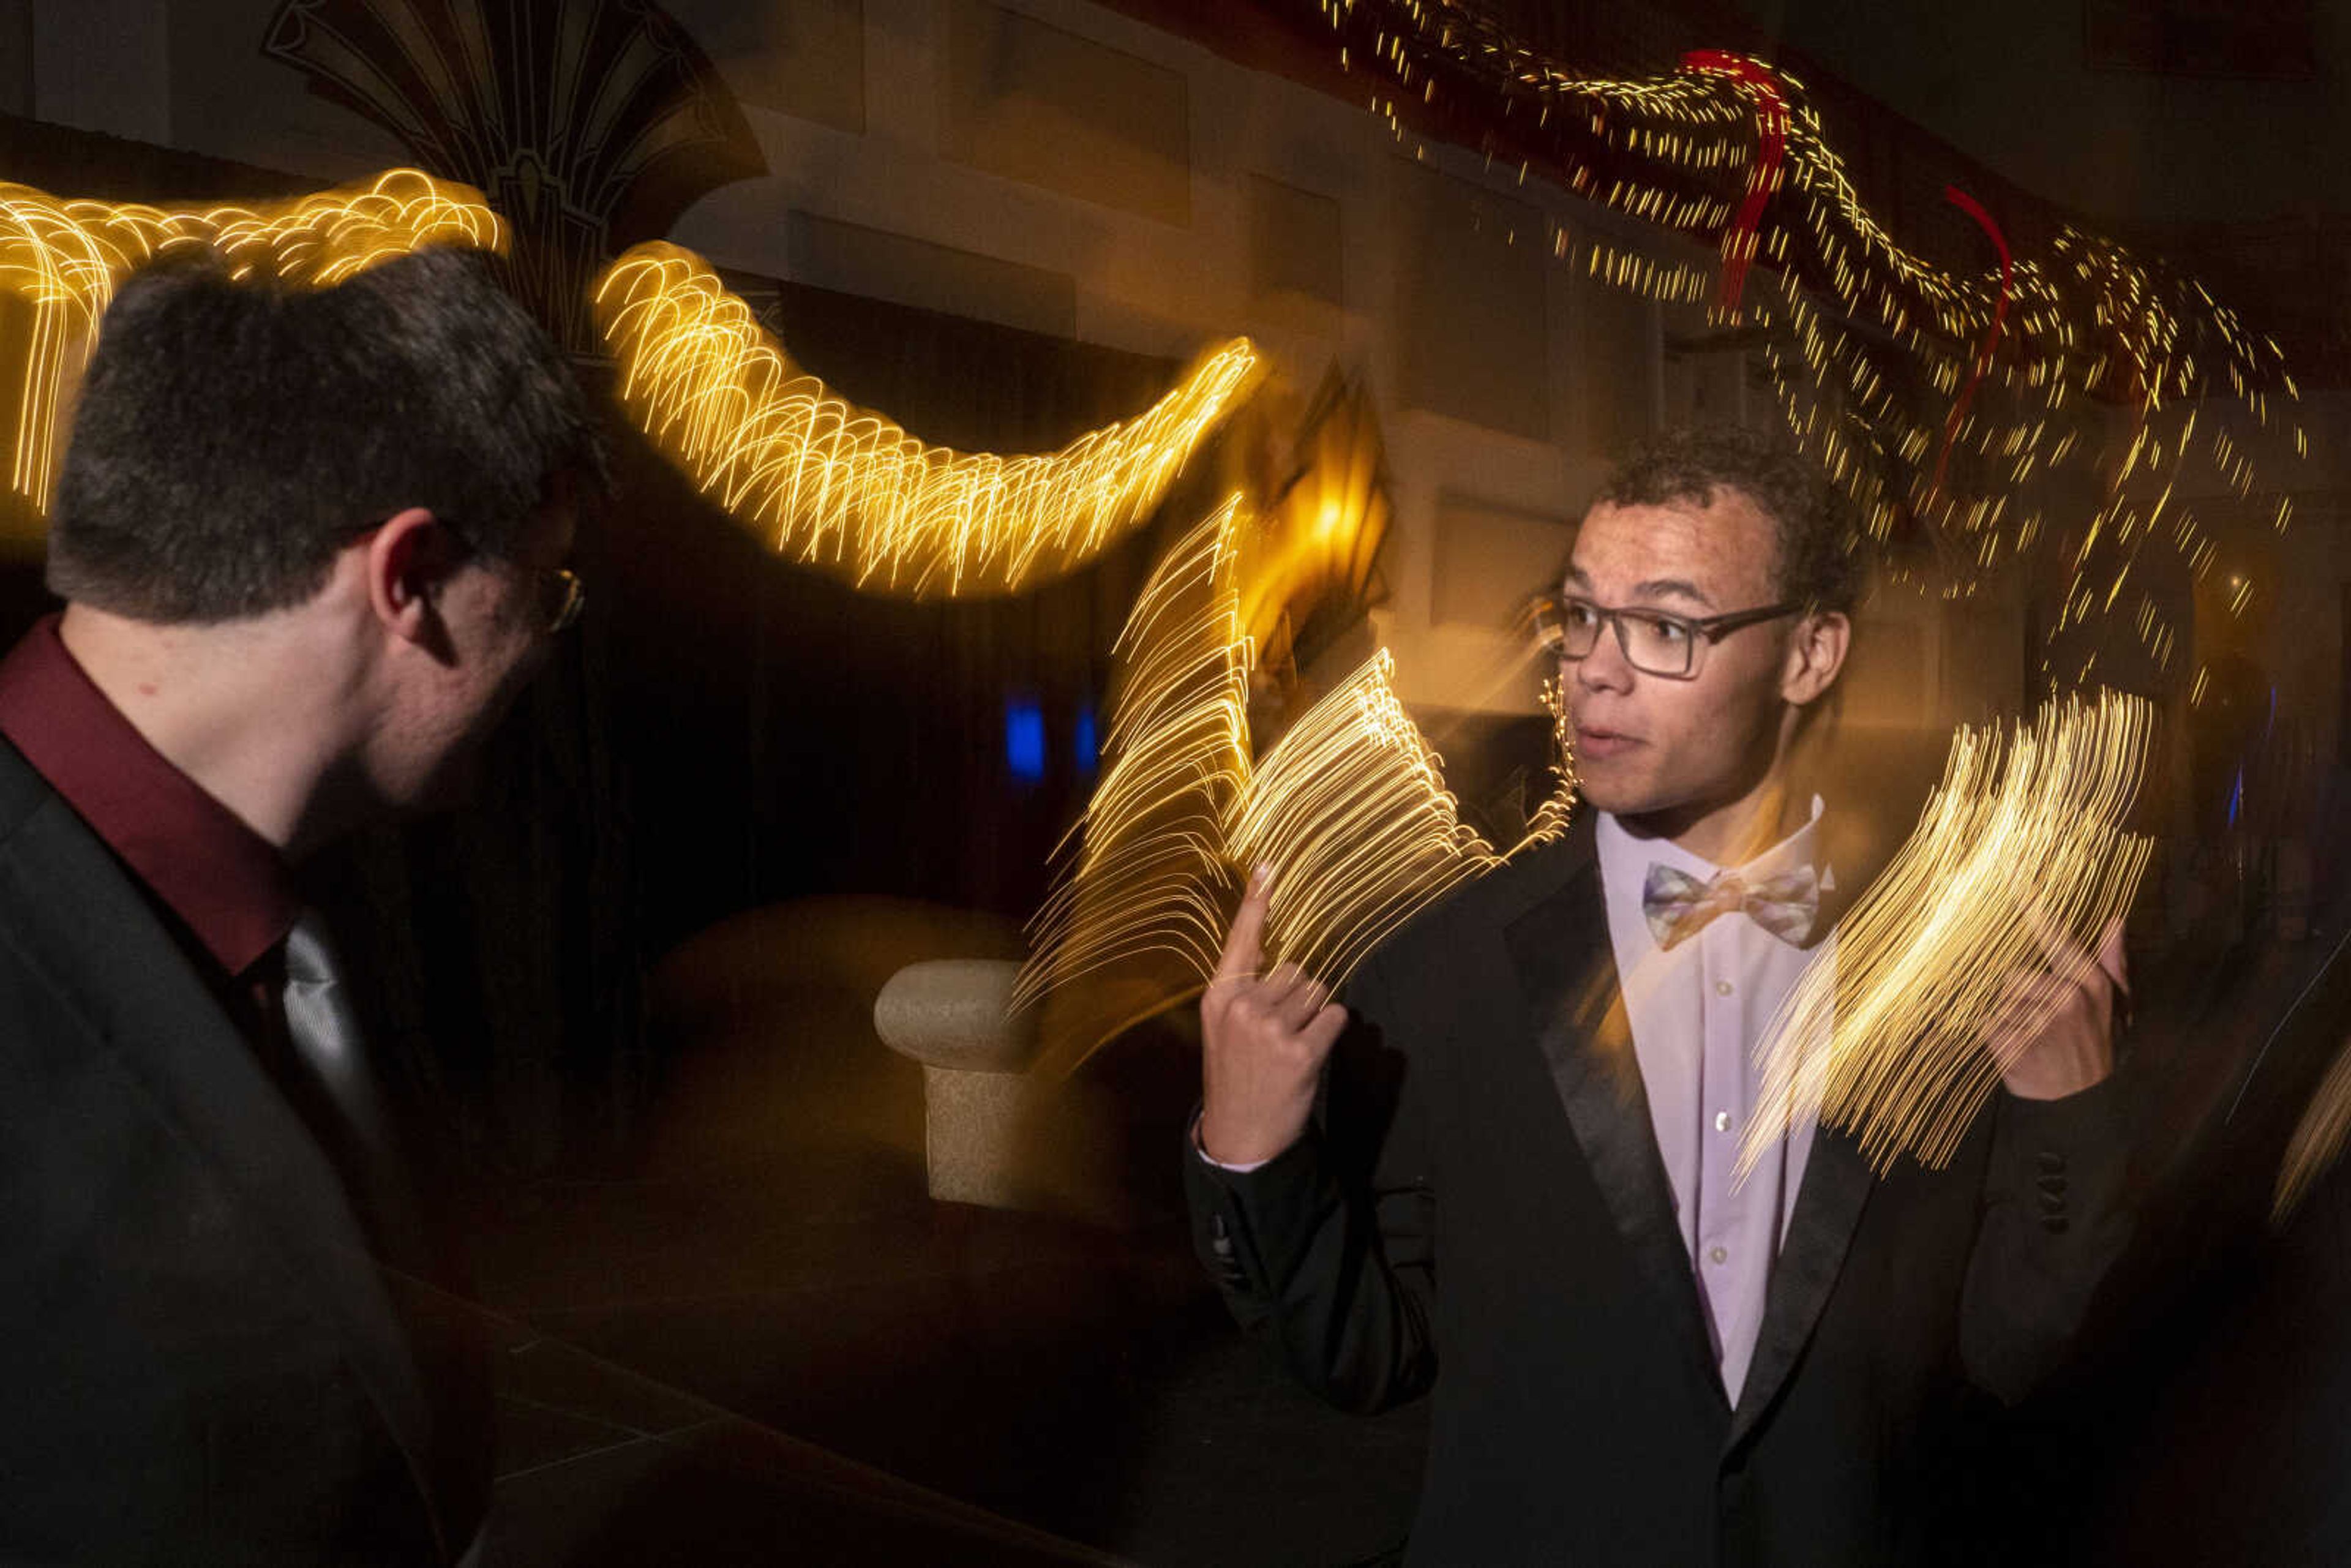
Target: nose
1604, 669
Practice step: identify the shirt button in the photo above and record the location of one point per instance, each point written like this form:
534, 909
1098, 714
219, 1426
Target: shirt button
1722, 987
1716, 1255
1723, 1121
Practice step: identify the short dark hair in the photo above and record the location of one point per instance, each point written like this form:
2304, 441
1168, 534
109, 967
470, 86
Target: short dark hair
232, 436
1822, 563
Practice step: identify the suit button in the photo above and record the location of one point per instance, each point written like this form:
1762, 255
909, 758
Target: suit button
1716, 1255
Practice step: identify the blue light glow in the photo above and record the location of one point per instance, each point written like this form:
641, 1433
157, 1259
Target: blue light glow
1088, 747
1023, 739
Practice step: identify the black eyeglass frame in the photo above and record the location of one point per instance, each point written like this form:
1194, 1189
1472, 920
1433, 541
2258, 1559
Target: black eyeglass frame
1549, 612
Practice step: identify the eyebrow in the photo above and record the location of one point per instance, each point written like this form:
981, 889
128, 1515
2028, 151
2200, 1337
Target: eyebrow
1656, 588
1669, 587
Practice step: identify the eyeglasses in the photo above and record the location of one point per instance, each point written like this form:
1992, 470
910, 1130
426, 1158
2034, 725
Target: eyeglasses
1654, 642
563, 596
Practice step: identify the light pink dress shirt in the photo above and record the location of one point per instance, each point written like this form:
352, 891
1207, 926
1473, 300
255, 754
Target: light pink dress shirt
1698, 1014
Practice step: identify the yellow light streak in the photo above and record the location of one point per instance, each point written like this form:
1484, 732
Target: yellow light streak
1322, 536
1864, 342
1349, 807
61, 261
1134, 923
849, 490
1886, 1035
2317, 1141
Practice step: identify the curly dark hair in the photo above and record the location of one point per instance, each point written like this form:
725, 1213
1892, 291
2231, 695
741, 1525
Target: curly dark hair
1822, 563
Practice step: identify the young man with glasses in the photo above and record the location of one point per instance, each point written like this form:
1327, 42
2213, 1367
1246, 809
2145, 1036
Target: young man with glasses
1504, 1170
311, 544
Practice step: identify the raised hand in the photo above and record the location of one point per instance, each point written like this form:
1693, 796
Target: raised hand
2074, 1048
1264, 1039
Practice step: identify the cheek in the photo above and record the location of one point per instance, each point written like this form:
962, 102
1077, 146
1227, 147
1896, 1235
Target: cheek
1718, 718
1749, 710
491, 704
1688, 724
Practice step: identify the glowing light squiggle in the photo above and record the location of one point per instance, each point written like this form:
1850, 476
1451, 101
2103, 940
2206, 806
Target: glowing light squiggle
1887, 1038
1984, 221
1868, 345
64, 259
1135, 920
1350, 806
1763, 173
849, 490
2318, 1139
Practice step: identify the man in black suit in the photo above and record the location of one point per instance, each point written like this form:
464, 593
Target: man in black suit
1514, 1186
311, 544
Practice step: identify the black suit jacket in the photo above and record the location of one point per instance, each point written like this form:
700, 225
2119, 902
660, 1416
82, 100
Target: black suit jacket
1481, 1209
2210, 1417
202, 1363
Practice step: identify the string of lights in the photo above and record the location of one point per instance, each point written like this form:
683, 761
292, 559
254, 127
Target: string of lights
829, 484
849, 490
61, 260
1933, 397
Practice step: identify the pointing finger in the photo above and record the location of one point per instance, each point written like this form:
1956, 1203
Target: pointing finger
1245, 942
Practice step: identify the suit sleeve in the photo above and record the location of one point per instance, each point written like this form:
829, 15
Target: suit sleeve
1328, 1249
2057, 1212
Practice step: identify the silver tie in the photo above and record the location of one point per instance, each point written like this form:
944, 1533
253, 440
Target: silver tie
325, 1031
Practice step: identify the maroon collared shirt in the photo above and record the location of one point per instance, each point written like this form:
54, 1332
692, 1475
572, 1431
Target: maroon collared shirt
228, 888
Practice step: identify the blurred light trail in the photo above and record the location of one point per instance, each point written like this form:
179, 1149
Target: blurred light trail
849, 490
2018, 863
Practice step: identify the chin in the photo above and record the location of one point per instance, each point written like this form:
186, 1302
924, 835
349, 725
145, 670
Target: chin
1606, 788
1639, 800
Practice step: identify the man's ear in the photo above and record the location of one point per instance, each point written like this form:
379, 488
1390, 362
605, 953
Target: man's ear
1816, 653
408, 559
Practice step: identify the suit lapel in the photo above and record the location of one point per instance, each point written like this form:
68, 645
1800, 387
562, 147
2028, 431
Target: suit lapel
1837, 1178
1567, 971
98, 943
1836, 1186
1568, 976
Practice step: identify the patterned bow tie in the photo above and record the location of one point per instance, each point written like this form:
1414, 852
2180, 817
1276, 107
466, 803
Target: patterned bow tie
1678, 906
